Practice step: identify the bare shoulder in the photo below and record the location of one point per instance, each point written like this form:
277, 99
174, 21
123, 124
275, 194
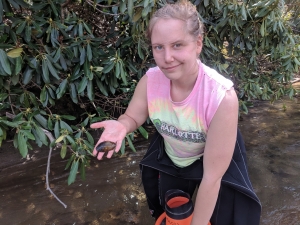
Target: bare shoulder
230, 101
141, 88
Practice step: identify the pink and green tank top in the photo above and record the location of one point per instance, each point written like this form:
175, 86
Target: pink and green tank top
184, 124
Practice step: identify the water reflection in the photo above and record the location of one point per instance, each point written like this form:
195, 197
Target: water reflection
112, 193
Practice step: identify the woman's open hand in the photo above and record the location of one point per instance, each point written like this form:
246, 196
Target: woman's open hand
114, 133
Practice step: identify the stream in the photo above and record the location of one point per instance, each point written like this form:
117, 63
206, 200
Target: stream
112, 193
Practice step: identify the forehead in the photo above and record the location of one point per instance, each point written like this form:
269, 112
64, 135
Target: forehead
169, 30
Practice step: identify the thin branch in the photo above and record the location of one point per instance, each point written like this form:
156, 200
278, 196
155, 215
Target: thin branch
110, 14
51, 138
65, 4
108, 6
12, 109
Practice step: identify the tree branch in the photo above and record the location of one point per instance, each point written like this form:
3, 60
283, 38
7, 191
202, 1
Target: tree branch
51, 138
110, 14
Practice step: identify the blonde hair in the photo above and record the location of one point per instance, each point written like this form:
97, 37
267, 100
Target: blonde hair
181, 10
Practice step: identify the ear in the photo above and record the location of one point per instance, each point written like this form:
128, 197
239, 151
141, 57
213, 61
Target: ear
199, 44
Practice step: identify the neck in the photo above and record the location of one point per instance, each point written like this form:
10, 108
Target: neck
180, 89
187, 82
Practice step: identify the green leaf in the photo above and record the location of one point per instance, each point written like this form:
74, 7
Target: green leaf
60, 138
130, 143
14, 79
123, 74
85, 122
122, 149
107, 68
86, 68
137, 15
73, 93
82, 55
43, 95
14, 53
70, 139
22, 145
45, 72
89, 52
28, 134
80, 29
1, 132
90, 138
63, 151
3, 96
42, 120
117, 69
140, 52
71, 159
243, 11
52, 69
64, 125
41, 134
4, 62
73, 172
206, 3
143, 132
101, 87
122, 6
90, 90
130, 8
27, 33
216, 3
56, 129
21, 27
60, 91
18, 65
68, 117
49, 123
54, 9
57, 55
82, 85
87, 28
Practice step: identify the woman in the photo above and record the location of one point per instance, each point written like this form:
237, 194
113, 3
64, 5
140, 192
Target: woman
195, 111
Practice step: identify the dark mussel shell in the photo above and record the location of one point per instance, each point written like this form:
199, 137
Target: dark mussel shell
106, 146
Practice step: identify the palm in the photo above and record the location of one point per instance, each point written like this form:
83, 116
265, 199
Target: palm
114, 131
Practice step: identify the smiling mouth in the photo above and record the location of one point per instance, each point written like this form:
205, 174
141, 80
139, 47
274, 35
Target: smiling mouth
171, 67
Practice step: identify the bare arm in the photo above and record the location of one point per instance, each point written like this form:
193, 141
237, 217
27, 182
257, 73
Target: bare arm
220, 143
135, 115
137, 111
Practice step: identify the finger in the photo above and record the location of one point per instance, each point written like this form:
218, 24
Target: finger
118, 146
95, 152
98, 124
110, 153
100, 155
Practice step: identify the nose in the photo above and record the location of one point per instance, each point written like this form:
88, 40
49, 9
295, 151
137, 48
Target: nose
168, 56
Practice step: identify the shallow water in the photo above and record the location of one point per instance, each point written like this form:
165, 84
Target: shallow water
112, 194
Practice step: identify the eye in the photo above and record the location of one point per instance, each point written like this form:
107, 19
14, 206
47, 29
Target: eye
157, 47
177, 45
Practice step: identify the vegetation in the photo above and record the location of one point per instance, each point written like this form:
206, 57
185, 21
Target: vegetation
65, 64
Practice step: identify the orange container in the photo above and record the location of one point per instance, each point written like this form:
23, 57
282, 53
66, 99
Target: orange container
179, 209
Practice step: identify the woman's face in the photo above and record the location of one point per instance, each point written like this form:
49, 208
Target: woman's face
175, 51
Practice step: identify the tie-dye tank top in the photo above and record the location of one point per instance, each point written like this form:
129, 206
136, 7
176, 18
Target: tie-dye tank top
184, 124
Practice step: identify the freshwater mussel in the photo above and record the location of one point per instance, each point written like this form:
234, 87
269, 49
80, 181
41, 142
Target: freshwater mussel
106, 146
